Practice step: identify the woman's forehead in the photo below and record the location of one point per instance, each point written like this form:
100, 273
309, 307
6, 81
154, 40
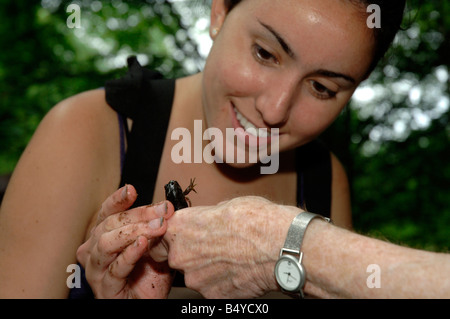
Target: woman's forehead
317, 30
338, 17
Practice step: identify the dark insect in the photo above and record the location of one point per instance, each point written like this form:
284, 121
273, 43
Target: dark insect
177, 196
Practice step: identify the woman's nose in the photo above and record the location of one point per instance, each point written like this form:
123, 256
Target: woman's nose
275, 101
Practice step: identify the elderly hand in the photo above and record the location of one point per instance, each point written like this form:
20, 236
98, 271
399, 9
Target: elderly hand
228, 250
115, 255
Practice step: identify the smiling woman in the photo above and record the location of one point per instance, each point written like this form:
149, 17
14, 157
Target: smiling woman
282, 82
285, 67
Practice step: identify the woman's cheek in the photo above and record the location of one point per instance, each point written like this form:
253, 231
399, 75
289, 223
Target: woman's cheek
240, 76
307, 120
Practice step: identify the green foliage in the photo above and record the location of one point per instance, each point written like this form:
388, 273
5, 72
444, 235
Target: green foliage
394, 145
45, 61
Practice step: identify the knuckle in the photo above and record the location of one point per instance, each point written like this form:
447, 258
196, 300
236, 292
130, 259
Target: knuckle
101, 213
112, 267
173, 261
109, 223
104, 245
141, 212
81, 254
190, 282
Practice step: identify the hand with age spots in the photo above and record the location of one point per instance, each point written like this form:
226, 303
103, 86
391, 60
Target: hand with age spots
115, 256
228, 250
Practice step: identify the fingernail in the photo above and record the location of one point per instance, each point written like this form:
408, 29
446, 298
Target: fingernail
124, 194
161, 209
156, 223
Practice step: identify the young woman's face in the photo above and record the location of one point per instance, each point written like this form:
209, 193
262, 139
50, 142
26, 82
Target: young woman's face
286, 64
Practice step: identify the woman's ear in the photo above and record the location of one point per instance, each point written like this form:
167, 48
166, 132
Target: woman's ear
218, 14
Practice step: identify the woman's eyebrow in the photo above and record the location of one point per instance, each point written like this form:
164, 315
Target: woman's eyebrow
280, 40
290, 53
331, 74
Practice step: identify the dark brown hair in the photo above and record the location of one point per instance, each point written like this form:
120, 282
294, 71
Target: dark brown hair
392, 16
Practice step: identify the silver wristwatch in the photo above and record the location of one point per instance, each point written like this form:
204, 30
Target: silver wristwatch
289, 270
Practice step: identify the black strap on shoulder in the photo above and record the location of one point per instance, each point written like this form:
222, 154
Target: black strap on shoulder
313, 162
126, 94
145, 97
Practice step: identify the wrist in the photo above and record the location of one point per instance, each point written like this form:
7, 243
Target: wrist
285, 216
261, 227
290, 271
316, 245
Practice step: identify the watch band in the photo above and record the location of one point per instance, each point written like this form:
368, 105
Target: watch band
292, 245
297, 231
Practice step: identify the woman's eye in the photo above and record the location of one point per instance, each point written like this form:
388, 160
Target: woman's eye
321, 91
264, 56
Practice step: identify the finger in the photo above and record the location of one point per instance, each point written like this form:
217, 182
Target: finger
112, 243
159, 251
119, 201
137, 215
83, 253
118, 271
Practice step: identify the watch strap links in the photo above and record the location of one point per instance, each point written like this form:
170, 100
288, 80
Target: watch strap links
297, 231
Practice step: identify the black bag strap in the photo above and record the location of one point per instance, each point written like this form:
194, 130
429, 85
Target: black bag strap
313, 164
146, 98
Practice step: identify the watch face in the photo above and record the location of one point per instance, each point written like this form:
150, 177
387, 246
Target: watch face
289, 273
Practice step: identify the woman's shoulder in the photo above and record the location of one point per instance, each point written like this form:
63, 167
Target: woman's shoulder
80, 129
85, 116
79, 137
76, 148
82, 125
89, 106
71, 164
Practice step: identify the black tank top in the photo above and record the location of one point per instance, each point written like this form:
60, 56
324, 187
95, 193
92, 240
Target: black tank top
146, 97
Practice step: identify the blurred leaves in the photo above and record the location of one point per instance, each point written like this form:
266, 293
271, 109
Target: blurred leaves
43, 61
394, 136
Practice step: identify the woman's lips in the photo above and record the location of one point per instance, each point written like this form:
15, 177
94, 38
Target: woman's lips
248, 126
247, 132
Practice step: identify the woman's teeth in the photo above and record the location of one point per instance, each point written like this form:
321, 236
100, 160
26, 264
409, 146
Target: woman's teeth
249, 127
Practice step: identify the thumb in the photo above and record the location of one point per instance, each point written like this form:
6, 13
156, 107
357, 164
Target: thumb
118, 202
